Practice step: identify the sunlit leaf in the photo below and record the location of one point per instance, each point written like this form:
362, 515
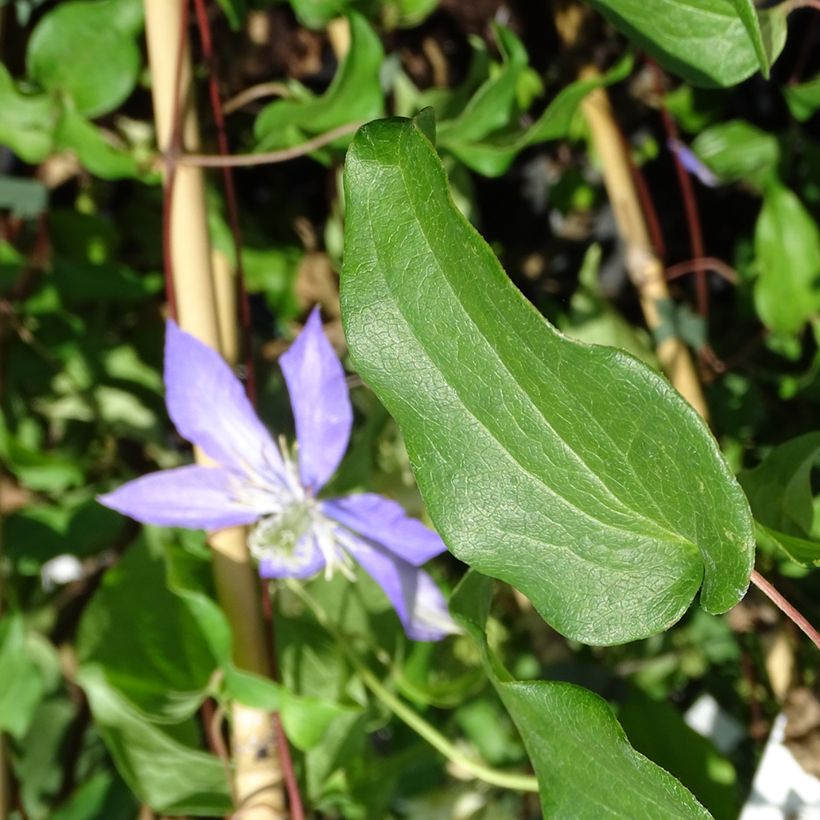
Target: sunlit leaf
573, 472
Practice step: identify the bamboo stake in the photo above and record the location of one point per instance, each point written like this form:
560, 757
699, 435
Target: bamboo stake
645, 269
257, 772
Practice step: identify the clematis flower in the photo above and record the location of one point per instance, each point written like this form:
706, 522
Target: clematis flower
255, 482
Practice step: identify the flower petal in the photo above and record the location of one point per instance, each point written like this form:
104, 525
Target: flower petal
197, 498
305, 560
208, 405
384, 521
415, 597
320, 401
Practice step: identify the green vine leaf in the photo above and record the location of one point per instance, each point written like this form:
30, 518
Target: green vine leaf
87, 51
580, 754
355, 95
706, 42
573, 472
780, 493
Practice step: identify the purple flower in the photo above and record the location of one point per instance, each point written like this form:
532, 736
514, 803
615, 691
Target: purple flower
692, 163
256, 482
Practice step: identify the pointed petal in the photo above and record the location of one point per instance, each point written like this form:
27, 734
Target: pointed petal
197, 498
304, 561
415, 597
384, 521
208, 405
320, 401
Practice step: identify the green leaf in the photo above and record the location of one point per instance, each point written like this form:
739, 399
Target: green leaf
87, 50
22, 684
780, 494
235, 11
145, 638
706, 42
656, 729
492, 105
76, 134
493, 154
581, 756
787, 245
159, 763
736, 150
28, 121
607, 513
803, 99
354, 95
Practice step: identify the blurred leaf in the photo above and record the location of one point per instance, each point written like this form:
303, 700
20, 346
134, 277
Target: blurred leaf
37, 470
494, 154
23, 682
355, 95
780, 494
86, 50
103, 795
787, 244
235, 11
95, 153
39, 759
305, 719
594, 319
25, 198
736, 150
491, 107
658, 731
705, 42
624, 507
145, 638
580, 754
28, 121
159, 762
803, 99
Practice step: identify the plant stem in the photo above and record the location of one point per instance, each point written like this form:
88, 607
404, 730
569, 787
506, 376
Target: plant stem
785, 607
266, 157
257, 770
504, 780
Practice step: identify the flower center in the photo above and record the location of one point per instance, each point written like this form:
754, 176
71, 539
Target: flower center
280, 534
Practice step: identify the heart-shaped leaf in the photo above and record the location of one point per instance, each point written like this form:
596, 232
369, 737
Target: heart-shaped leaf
573, 472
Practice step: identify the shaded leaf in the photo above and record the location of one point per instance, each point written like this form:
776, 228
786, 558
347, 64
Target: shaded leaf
780, 494
787, 244
736, 150
581, 756
706, 42
86, 50
571, 471
354, 95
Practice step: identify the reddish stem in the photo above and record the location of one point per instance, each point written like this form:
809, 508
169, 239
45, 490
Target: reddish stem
687, 190
230, 194
707, 263
785, 607
206, 39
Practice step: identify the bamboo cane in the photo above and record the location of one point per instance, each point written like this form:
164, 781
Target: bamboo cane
644, 267
257, 772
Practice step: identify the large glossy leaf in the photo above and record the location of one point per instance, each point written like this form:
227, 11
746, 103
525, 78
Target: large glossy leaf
707, 42
584, 763
787, 244
780, 493
573, 472
354, 95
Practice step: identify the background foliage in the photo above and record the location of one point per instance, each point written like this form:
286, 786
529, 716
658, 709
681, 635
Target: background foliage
114, 653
